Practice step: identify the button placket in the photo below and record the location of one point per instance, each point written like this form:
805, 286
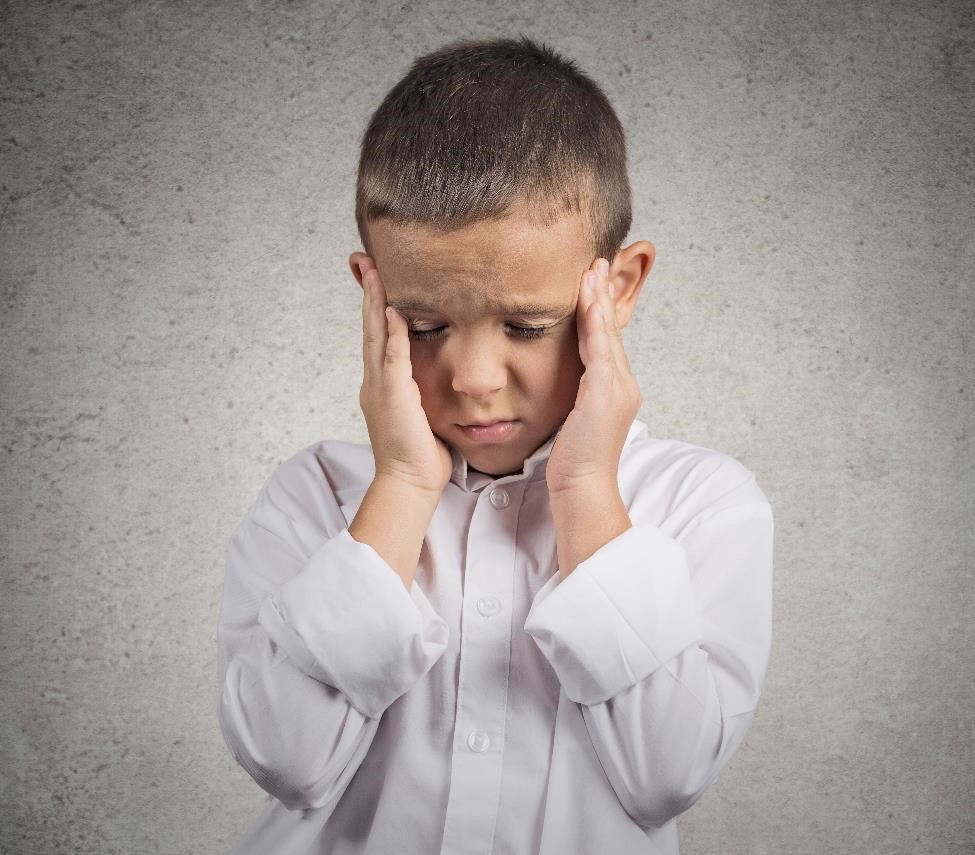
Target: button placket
485, 660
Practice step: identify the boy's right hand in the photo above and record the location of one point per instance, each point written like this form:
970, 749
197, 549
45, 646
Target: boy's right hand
404, 446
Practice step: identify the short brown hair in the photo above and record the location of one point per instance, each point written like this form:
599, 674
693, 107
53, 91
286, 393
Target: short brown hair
478, 127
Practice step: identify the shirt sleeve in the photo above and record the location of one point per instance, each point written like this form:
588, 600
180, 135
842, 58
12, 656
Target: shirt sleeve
317, 636
664, 642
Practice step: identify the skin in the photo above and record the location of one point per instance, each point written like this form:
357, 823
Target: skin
415, 392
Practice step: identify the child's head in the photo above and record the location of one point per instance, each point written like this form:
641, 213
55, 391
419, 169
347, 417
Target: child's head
490, 178
477, 128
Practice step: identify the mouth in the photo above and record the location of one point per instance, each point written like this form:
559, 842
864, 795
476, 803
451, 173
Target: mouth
492, 431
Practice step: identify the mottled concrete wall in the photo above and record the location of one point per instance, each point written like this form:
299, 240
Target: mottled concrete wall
178, 318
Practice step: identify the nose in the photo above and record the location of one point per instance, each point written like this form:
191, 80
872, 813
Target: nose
478, 370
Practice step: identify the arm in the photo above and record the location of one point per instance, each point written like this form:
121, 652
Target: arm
316, 638
661, 636
412, 466
664, 642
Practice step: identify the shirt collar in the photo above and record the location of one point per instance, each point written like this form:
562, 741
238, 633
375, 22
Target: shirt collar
533, 468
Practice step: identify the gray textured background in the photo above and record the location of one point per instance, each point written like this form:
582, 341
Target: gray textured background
178, 318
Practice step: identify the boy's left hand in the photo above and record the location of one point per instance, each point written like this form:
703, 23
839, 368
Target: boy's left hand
588, 448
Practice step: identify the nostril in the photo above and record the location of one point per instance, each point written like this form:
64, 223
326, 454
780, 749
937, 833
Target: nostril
472, 391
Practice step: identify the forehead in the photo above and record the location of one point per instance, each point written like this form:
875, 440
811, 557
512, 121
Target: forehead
484, 267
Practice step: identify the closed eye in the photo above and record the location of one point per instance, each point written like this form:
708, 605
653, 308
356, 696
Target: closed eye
426, 335
526, 333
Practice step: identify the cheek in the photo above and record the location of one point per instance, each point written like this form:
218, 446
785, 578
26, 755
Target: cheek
569, 370
567, 345
424, 367
554, 369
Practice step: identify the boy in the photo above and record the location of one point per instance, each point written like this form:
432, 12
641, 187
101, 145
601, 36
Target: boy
514, 622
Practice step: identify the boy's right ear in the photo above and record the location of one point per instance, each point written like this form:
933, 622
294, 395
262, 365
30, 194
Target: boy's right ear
360, 263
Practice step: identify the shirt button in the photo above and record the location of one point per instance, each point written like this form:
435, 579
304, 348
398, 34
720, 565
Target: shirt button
479, 741
488, 606
500, 498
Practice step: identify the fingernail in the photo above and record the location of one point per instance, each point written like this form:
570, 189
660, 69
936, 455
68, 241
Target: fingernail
612, 289
603, 267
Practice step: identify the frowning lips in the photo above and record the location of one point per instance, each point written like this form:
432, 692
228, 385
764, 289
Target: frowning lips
484, 423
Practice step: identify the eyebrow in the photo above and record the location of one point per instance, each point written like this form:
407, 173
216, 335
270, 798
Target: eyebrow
524, 310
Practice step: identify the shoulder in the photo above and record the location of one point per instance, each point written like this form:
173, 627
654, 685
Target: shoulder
677, 474
315, 482
343, 464
677, 461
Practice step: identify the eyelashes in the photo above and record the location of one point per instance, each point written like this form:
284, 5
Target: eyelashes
526, 333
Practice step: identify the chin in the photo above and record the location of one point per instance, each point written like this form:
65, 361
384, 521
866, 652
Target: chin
493, 464
501, 459
498, 472
497, 462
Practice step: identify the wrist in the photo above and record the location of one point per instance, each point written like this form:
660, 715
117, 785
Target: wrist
583, 488
587, 515
407, 489
586, 504
399, 545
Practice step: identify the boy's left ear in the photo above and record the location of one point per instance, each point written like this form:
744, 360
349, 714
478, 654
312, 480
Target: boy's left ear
627, 273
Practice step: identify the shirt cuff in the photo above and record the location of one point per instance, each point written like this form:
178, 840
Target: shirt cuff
619, 616
348, 621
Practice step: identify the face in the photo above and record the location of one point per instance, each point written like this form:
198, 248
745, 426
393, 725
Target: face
491, 312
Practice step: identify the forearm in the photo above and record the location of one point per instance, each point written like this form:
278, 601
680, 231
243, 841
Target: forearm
664, 641
299, 739
586, 517
664, 740
314, 643
393, 520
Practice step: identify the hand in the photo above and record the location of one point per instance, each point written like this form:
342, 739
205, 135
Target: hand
403, 444
588, 448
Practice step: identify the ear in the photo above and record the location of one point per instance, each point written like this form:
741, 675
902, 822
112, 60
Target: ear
627, 274
360, 260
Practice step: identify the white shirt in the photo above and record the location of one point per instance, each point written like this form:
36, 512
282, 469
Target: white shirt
493, 709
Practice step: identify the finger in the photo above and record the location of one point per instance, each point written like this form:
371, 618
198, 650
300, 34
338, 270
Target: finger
599, 340
605, 295
396, 361
587, 295
366, 265
373, 325
607, 300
